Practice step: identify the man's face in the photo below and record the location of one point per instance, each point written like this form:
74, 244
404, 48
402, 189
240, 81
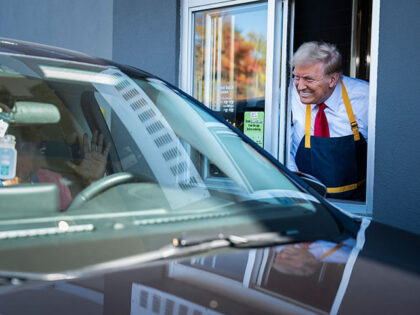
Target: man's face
312, 85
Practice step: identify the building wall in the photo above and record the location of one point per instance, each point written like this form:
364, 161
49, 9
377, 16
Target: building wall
143, 33
84, 25
396, 198
146, 35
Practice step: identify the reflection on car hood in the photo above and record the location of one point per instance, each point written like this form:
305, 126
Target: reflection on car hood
315, 277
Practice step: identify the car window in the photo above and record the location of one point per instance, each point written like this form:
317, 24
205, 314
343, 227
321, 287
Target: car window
99, 149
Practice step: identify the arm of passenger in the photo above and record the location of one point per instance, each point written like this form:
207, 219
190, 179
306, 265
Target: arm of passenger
47, 176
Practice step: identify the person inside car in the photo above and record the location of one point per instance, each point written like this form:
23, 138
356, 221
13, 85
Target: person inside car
32, 166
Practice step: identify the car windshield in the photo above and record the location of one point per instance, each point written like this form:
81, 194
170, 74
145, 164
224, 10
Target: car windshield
98, 152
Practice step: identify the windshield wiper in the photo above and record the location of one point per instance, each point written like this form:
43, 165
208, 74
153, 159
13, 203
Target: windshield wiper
178, 249
245, 241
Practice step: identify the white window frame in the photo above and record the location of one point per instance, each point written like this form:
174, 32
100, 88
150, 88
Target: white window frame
275, 100
366, 208
277, 125
358, 208
373, 78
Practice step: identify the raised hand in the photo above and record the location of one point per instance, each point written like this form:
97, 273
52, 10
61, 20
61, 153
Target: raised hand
92, 166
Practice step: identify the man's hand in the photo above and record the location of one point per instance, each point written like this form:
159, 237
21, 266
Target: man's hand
92, 166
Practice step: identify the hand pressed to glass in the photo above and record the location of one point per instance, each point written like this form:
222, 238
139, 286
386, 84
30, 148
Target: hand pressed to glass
92, 166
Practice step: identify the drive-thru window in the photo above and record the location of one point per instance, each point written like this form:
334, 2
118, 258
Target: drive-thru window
235, 59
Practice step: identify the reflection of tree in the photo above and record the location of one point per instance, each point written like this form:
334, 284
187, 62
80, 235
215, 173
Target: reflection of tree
260, 55
238, 60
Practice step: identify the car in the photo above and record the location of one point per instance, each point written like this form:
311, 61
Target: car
121, 194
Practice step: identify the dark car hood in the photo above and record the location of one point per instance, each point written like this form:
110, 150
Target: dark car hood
381, 277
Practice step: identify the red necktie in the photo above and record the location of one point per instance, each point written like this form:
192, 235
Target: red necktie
321, 123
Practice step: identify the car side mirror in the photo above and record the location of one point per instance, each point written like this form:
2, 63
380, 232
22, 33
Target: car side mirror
313, 182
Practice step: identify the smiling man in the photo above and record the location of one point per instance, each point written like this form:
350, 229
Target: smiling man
329, 124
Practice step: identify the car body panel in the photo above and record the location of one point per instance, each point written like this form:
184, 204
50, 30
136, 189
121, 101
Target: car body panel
241, 281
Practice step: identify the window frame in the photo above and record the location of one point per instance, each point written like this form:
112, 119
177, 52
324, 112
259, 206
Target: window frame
280, 35
275, 115
358, 208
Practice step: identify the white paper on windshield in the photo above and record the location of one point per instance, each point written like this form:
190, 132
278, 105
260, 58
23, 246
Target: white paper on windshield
8, 157
158, 143
3, 128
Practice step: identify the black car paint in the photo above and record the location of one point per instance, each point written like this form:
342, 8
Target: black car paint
381, 281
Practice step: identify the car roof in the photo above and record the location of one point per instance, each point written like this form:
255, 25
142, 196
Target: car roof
34, 49
19, 47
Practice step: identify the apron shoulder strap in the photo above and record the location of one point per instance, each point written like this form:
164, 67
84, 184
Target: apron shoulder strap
353, 122
308, 127
332, 250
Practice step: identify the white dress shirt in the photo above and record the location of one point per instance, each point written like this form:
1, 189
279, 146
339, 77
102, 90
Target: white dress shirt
319, 248
338, 120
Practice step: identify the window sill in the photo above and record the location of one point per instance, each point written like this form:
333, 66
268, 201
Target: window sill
351, 207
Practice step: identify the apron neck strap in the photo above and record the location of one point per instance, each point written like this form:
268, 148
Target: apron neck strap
308, 127
332, 250
353, 123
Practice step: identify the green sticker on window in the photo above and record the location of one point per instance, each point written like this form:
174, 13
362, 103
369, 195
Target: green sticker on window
254, 126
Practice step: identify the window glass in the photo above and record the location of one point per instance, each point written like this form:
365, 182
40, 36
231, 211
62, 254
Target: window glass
230, 64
